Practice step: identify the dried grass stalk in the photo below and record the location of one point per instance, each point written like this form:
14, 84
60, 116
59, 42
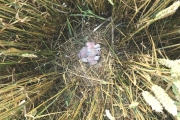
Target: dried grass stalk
152, 101
165, 100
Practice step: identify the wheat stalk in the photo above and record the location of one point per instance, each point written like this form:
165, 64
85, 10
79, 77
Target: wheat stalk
152, 101
169, 63
177, 84
168, 11
173, 64
165, 100
108, 114
175, 72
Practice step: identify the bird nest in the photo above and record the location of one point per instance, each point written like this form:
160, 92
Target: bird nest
84, 73
96, 82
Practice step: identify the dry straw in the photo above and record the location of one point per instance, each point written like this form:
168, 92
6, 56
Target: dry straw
165, 100
152, 101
